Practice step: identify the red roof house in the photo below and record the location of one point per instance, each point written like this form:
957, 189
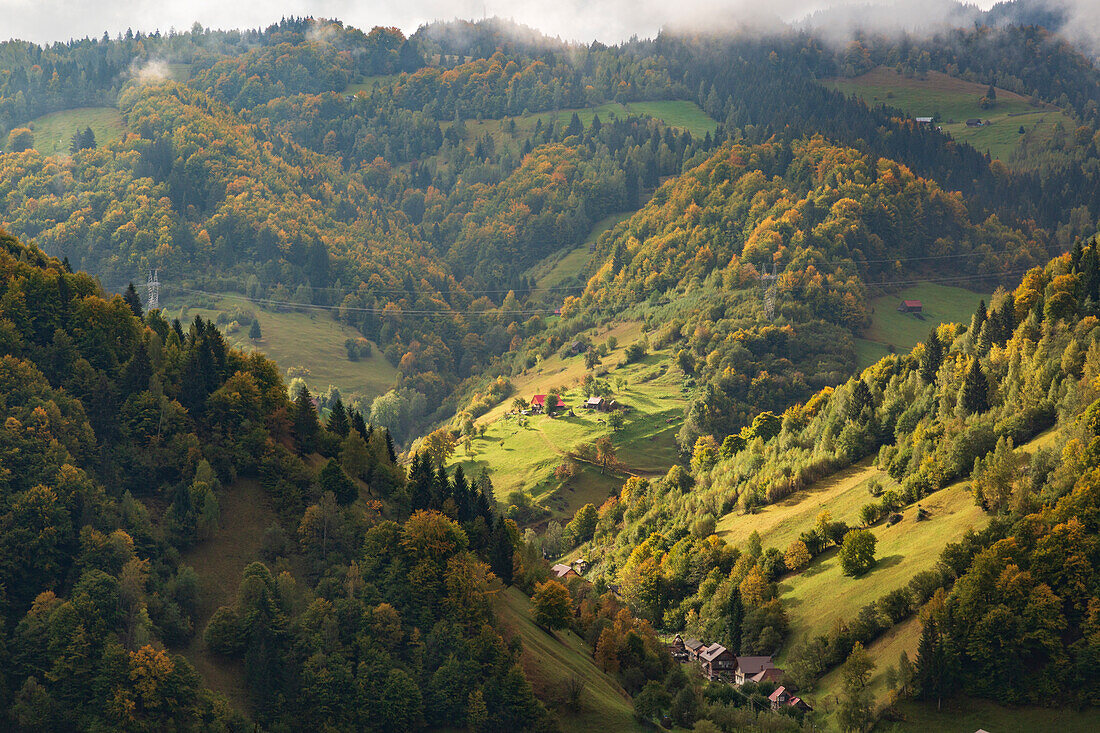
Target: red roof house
538, 404
910, 306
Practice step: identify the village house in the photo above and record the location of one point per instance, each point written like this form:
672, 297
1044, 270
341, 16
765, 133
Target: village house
538, 404
910, 306
596, 403
580, 565
717, 661
562, 571
927, 121
782, 698
749, 668
973, 122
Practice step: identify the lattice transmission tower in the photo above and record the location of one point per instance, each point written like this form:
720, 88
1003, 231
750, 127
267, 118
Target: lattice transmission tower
769, 283
152, 290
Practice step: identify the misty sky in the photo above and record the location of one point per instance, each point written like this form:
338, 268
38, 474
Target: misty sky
582, 20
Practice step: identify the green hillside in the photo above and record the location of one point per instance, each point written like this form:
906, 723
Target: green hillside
550, 660
952, 101
53, 132
310, 340
892, 331
522, 453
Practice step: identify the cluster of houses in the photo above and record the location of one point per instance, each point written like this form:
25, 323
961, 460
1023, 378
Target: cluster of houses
550, 404
721, 665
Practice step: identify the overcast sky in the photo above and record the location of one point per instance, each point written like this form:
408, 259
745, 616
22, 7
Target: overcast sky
582, 20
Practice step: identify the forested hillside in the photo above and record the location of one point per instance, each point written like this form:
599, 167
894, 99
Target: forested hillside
1019, 592
690, 238
368, 603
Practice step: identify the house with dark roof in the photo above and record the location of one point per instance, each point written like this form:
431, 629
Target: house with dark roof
596, 402
749, 667
717, 661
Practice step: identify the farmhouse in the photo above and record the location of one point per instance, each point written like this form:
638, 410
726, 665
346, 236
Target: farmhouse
910, 306
539, 404
717, 661
973, 122
749, 668
925, 121
562, 571
783, 698
596, 403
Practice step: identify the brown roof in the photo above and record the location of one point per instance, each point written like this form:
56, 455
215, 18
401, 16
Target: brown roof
693, 644
753, 665
561, 570
712, 652
771, 674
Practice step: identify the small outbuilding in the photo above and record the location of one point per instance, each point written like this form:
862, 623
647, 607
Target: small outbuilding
910, 306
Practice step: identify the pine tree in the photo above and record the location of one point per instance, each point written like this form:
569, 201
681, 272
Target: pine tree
501, 552
338, 419
133, 300
254, 330
974, 396
360, 424
932, 358
389, 446
460, 490
334, 479
306, 422
421, 478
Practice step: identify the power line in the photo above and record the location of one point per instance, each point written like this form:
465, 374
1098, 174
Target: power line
376, 311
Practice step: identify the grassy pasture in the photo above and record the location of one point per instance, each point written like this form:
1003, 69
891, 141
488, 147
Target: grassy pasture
953, 101
843, 494
942, 304
550, 660
53, 132
367, 83
674, 113
311, 340
903, 550
521, 454
565, 265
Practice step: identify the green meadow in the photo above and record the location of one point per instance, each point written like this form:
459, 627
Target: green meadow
53, 132
952, 102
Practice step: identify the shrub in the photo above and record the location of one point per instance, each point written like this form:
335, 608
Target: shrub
857, 552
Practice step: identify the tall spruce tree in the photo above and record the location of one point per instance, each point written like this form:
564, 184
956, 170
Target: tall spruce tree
306, 424
932, 357
133, 300
975, 390
338, 419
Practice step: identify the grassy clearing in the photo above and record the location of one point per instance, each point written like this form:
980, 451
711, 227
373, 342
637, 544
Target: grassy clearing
966, 715
53, 132
902, 331
549, 660
179, 72
367, 83
564, 266
843, 494
885, 650
219, 562
953, 101
903, 550
522, 454
311, 340
674, 113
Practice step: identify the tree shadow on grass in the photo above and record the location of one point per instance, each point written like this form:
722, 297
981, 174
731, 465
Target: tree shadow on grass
887, 562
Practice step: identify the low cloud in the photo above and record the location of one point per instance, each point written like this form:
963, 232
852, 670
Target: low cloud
609, 21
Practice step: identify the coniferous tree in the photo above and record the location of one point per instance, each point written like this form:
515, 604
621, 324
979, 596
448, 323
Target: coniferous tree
254, 332
389, 446
306, 424
358, 423
974, 396
932, 357
501, 552
334, 479
338, 419
421, 479
133, 300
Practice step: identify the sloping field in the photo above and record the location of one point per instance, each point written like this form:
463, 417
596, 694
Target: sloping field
942, 304
550, 659
311, 340
952, 102
53, 132
843, 494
